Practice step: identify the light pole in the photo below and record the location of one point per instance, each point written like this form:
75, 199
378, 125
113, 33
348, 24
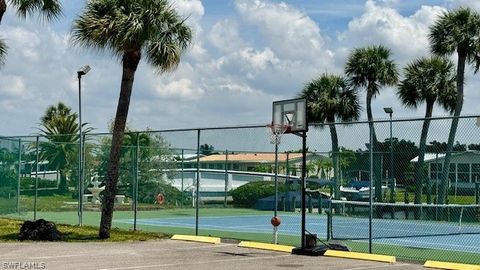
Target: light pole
389, 111
82, 71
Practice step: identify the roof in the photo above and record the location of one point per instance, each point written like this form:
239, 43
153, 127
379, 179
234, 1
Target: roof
433, 156
253, 157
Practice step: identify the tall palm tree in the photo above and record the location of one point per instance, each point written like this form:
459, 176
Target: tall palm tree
372, 68
331, 97
130, 29
427, 80
456, 31
60, 128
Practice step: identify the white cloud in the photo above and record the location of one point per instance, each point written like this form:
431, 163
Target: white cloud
13, 86
385, 25
181, 89
225, 36
290, 33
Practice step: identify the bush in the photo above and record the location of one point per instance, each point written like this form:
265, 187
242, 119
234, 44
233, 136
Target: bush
7, 192
29, 183
246, 195
147, 192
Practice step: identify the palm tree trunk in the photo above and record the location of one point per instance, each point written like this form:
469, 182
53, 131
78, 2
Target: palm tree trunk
336, 175
419, 170
376, 158
130, 62
62, 186
3, 8
453, 128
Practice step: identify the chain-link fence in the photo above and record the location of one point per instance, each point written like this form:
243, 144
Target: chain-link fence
377, 188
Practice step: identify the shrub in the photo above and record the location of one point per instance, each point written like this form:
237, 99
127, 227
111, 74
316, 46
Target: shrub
29, 183
147, 192
246, 195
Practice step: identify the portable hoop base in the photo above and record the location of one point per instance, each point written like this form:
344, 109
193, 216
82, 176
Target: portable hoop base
314, 251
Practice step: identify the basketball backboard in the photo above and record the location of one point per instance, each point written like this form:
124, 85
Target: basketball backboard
292, 112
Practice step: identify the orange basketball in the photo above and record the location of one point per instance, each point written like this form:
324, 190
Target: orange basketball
160, 198
275, 221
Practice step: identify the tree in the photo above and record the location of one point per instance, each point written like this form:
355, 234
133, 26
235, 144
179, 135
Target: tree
456, 31
430, 80
130, 29
153, 157
47, 9
206, 149
60, 128
331, 97
372, 68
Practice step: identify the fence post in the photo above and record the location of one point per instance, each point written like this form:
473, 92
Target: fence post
477, 192
36, 179
370, 194
81, 178
197, 184
181, 194
19, 173
226, 178
329, 220
135, 179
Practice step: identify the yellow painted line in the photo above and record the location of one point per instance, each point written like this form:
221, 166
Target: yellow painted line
203, 239
451, 266
360, 256
266, 246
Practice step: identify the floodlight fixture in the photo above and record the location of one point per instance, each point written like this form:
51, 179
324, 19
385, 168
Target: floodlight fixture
83, 70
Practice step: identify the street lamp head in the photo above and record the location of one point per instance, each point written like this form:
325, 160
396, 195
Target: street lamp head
388, 110
83, 70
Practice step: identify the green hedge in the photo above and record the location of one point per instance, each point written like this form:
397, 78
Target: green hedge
246, 195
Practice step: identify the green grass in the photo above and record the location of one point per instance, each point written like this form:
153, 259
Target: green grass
9, 229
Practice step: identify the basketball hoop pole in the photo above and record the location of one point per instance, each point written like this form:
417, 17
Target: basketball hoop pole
304, 173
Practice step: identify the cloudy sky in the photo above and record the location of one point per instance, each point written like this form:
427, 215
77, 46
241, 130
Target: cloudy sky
246, 54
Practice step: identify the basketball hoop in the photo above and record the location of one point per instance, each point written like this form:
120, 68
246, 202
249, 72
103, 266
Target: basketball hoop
276, 131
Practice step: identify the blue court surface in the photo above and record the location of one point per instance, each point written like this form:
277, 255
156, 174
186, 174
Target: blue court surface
420, 234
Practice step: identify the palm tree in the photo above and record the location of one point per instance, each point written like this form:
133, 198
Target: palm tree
430, 80
372, 68
455, 31
47, 9
130, 29
331, 97
60, 128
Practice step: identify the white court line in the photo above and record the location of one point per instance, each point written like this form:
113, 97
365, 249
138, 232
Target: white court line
194, 263
435, 245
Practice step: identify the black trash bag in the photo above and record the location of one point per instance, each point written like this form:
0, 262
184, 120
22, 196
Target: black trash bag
39, 230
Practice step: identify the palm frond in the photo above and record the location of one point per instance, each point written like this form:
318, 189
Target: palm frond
3, 51
47, 9
150, 27
456, 30
428, 80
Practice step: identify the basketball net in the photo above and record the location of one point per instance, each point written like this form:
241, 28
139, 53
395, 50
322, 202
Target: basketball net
276, 131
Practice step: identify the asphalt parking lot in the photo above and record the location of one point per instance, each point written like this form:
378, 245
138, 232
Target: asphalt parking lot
167, 254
